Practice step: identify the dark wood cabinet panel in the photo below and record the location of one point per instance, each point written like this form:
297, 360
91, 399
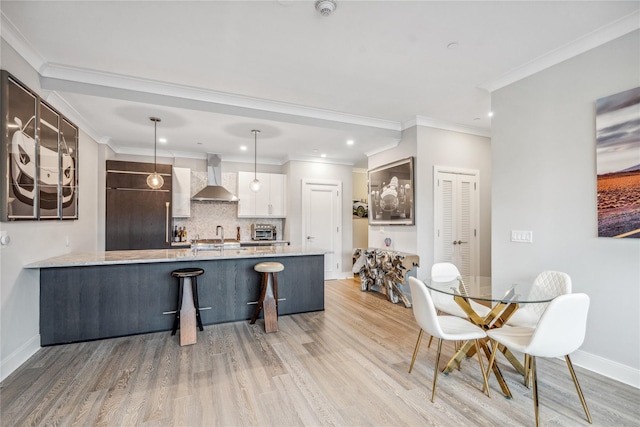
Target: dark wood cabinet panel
136, 217
95, 302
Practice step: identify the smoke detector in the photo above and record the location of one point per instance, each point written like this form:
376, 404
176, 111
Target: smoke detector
326, 7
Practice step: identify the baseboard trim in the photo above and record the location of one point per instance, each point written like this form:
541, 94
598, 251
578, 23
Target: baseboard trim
614, 370
18, 357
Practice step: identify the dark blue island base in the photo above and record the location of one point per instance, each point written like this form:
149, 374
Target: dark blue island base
83, 303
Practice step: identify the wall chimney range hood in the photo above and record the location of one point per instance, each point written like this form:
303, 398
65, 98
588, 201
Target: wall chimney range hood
214, 191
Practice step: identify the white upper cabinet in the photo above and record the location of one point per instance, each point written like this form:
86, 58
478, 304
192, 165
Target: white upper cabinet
247, 202
269, 202
181, 192
277, 198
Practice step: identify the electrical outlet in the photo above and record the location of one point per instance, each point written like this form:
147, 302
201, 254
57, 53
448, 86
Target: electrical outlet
522, 236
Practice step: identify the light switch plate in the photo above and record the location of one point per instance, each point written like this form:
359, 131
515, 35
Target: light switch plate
522, 236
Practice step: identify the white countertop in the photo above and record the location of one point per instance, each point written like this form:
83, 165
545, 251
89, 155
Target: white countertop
241, 242
170, 255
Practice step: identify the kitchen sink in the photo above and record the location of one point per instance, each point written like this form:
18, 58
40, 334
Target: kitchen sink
215, 244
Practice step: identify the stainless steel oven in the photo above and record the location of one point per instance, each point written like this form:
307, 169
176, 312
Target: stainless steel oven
263, 232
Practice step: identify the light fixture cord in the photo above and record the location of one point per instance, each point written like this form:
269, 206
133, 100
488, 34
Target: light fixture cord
255, 155
155, 146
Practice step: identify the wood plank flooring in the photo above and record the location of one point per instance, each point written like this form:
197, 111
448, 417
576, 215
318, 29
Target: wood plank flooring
345, 366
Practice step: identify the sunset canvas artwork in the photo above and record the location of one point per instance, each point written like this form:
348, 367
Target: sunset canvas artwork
618, 164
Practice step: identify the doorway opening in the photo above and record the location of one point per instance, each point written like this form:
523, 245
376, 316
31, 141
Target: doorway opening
360, 222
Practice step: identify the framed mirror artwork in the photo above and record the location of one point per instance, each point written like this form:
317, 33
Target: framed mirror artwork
39, 156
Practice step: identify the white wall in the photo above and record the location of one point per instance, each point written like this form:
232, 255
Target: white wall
35, 240
460, 150
544, 180
296, 171
431, 146
403, 237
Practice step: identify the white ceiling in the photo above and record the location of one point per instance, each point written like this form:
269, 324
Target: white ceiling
214, 70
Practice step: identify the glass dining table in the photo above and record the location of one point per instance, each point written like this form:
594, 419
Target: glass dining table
476, 294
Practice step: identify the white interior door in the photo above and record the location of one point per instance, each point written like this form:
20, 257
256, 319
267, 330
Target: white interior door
321, 225
456, 214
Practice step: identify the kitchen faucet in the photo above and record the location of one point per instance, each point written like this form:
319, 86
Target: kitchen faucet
221, 228
194, 244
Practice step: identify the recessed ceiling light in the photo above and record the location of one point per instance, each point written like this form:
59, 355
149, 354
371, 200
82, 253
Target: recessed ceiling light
490, 114
162, 140
315, 151
199, 143
350, 142
243, 147
476, 118
452, 45
323, 155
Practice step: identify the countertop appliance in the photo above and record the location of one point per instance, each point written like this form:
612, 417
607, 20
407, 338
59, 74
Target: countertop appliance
263, 232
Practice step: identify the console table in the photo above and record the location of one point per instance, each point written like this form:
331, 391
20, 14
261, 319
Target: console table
384, 271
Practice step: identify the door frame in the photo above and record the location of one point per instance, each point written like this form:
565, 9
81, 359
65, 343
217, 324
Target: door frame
337, 184
438, 169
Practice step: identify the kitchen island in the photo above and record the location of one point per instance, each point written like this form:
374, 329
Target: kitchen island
88, 296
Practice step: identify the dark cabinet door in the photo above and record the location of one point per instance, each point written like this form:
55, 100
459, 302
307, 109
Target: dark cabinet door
137, 217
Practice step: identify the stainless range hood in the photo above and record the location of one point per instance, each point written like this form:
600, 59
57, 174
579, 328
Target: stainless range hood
214, 191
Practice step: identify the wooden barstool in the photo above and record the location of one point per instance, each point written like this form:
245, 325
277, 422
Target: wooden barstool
268, 295
187, 328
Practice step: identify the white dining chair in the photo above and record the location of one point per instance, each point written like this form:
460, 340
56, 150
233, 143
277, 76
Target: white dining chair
559, 332
548, 284
444, 272
450, 328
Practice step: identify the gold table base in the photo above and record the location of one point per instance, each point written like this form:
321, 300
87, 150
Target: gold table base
496, 318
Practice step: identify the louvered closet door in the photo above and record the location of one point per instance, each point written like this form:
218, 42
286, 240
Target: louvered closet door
456, 219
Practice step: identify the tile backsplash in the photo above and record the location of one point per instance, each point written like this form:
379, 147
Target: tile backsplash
206, 216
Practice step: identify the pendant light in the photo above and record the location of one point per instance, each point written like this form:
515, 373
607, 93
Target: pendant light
155, 180
255, 184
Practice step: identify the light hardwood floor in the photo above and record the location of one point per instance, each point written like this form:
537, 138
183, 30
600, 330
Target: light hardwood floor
345, 366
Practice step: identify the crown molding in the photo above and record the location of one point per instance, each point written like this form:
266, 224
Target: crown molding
263, 160
311, 159
72, 114
19, 43
587, 42
442, 124
148, 152
389, 146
